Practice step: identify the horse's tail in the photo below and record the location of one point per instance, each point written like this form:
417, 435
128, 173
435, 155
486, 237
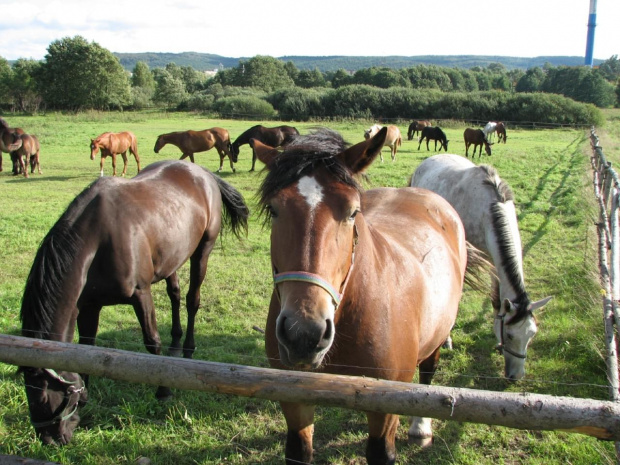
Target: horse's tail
478, 269
235, 213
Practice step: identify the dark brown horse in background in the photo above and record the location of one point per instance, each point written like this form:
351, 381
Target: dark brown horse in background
98, 254
476, 138
9, 140
28, 153
273, 137
416, 127
500, 129
366, 283
113, 143
191, 142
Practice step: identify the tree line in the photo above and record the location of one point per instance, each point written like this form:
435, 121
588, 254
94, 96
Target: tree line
77, 75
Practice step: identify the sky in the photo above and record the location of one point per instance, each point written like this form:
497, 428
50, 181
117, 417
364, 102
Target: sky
246, 28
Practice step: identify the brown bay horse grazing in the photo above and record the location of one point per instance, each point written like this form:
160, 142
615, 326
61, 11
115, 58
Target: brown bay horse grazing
113, 143
476, 138
366, 283
9, 141
436, 134
500, 129
191, 142
274, 137
28, 153
416, 127
393, 140
97, 255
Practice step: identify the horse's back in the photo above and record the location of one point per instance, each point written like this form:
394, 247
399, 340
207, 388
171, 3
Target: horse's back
464, 186
424, 236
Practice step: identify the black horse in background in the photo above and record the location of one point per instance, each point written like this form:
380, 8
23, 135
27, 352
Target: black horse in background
273, 137
435, 134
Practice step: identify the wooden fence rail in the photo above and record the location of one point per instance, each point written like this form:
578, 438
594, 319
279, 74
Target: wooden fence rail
600, 419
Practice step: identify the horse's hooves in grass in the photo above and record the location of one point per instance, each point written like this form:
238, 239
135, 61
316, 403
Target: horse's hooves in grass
420, 442
163, 393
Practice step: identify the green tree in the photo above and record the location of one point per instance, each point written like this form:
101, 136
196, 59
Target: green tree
610, 69
341, 78
531, 81
170, 90
141, 76
77, 74
264, 72
23, 86
6, 74
308, 79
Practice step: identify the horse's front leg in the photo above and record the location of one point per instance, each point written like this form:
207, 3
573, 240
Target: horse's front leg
174, 293
23, 165
381, 447
88, 323
101, 166
222, 155
253, 159
421, 429
142, 302
300, 425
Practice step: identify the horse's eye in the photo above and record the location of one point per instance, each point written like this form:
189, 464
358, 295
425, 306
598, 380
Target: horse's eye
354, 214
272, 211
510, 337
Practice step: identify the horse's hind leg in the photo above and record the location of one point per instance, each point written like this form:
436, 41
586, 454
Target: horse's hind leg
197, 273
124, 155
174, 293
421, 431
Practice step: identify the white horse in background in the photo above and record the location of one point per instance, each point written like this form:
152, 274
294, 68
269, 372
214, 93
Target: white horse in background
489, 130
393, 139
486, 206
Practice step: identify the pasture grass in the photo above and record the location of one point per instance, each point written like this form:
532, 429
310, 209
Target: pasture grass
549, 173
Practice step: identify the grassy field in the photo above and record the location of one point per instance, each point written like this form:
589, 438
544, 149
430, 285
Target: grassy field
549, 173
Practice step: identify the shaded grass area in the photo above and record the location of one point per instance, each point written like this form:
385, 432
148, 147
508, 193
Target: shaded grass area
549, 173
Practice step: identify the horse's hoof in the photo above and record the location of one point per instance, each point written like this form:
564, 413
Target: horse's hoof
163, 393
420, 442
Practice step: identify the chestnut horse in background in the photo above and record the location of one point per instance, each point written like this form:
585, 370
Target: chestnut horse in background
273, 137
366, 283
113, 143
191, 142
393, 140
477, 138
416, 127
28, 153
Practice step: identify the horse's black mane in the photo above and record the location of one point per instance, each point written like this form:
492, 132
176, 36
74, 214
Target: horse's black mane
510, 263
302, 156
51, 265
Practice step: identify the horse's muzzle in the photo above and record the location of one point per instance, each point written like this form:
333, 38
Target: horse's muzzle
303, 344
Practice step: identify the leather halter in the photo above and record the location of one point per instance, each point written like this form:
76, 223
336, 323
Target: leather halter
63, 411
312, 278
501, 347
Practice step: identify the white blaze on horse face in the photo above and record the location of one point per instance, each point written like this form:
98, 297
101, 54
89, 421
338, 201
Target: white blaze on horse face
310, 190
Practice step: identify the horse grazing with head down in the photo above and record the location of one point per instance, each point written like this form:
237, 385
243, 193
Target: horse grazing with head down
113, 143
28, 153
98, 254
275, 137
9, 140
500, 129
393, 140
436, 134
191, 142
416, 127
366, 283
477, 138
486, 206
489, 130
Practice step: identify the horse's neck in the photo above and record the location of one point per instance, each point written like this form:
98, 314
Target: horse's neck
504, 243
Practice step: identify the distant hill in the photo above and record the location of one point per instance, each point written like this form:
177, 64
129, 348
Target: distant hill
210, 62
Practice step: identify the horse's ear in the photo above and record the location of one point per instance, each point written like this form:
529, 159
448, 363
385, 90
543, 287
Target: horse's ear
539, 304
263, 152
360, 156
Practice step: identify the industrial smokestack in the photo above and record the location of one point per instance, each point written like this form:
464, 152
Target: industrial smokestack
591, 25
